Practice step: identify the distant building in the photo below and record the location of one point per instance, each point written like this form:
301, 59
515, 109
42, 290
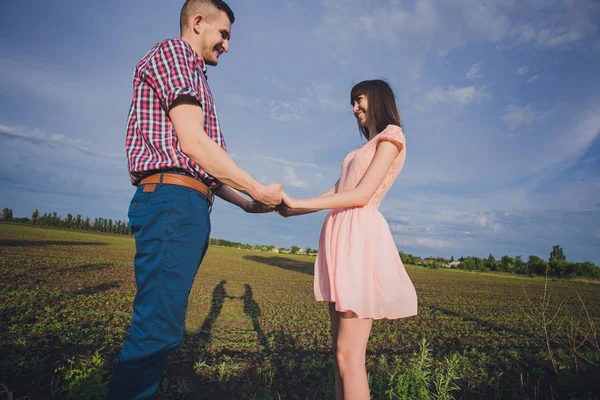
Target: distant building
453, 264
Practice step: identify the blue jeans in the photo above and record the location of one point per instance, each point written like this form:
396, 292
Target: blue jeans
171, 227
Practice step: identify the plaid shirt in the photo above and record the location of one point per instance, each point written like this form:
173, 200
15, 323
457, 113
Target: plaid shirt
171, 69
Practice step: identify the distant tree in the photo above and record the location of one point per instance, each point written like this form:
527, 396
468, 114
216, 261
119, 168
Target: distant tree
452, 259
461, 259
34, 217
78, 222
308, 250
507, 264
558, 268
409, 258
586, 269
69, 220
432, 264
536, 265
557, 254
519, 265
472, 264
295, 249
7, 214
490, 263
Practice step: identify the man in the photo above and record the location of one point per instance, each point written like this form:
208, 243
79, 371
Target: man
177, 159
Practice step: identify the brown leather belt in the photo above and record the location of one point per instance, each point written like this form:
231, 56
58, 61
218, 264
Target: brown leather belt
151, 181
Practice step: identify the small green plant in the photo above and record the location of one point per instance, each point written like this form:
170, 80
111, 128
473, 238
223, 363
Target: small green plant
175, 388
227, 370
412, 382
84, 378
444, 380
419, 380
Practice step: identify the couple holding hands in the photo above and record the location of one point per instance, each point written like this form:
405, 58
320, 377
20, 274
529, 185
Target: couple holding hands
177, 158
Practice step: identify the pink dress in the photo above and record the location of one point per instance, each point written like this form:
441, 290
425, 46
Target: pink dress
358, 266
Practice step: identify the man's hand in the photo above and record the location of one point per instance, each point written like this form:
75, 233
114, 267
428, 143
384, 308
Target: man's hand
270, 195
284, 210
255, 207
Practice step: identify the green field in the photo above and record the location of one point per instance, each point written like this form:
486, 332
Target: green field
253, 329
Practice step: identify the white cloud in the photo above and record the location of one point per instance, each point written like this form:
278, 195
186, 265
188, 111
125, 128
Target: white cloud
40, 137
287, 162
278, 84
534, 79
7, 130
516, 116
522, 70
474, 72
316, 97
490, 223
431, 26
463, 96
280, 110
291, 180
398, 228
567, 147
239, 100
425, 242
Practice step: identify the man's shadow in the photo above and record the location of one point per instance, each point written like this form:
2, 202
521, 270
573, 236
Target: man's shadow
216, 305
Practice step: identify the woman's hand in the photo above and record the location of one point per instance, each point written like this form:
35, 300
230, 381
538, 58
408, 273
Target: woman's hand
290, 202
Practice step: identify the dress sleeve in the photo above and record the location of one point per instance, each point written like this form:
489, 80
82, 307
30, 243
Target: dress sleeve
171, 72
394, 134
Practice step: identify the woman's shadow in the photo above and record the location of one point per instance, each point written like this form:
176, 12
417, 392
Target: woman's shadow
252, 310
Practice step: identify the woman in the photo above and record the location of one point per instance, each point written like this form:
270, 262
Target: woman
358, 269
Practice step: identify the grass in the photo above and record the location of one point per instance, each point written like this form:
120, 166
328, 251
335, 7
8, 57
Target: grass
253, 329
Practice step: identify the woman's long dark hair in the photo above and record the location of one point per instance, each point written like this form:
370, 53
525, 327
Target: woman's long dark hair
382, 104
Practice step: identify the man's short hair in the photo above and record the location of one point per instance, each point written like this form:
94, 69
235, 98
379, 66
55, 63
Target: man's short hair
194, 6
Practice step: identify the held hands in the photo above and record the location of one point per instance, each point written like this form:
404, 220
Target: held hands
256, 207
285, 209
290, 202
270, 195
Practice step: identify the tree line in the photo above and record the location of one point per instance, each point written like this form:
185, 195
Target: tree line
556, 266
77, 222
103, 225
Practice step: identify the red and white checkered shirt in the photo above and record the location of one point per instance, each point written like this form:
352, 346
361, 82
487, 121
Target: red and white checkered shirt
171, 69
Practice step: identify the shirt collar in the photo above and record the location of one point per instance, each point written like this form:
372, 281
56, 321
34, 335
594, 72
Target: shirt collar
203, 67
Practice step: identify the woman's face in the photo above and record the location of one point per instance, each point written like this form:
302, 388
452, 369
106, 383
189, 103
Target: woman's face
360, 107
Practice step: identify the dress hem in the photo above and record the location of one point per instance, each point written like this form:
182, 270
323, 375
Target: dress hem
364, 317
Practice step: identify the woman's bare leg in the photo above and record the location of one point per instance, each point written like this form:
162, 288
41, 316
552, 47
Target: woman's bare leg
352, 337
335, 324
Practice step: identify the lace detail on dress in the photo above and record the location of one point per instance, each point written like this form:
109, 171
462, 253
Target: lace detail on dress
357, 162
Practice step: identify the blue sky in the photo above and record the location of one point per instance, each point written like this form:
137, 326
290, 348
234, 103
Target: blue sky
499, 101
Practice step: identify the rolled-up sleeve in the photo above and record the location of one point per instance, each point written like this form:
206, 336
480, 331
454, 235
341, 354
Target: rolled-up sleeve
171, 72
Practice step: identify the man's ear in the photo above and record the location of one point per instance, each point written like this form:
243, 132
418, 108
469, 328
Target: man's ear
197, 22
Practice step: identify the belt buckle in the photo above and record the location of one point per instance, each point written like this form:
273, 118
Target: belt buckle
210, 197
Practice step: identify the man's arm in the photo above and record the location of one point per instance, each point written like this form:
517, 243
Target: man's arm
285, 211
188, 120
234, 197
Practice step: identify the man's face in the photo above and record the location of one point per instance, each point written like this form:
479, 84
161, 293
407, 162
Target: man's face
215, 38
